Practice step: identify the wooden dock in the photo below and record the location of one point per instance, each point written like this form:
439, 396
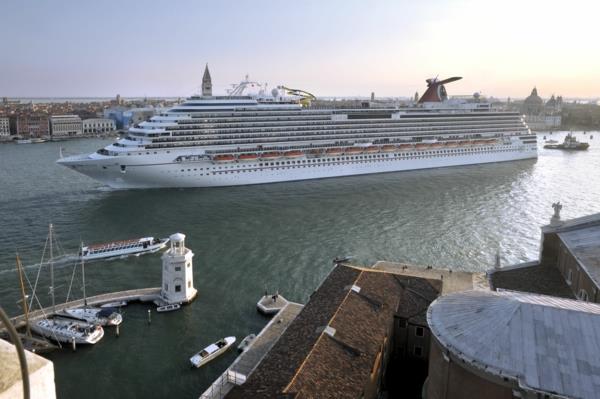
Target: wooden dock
137, 295
245, 364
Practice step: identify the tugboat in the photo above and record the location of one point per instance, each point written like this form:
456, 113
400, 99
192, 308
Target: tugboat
570, 143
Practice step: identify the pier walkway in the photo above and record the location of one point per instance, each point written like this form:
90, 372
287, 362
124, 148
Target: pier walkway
140, 295
241, 368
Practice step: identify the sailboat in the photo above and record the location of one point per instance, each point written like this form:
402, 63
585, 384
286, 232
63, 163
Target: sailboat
63, 329
92, 314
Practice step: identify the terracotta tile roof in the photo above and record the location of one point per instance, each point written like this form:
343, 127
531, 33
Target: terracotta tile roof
306, 362
536, 279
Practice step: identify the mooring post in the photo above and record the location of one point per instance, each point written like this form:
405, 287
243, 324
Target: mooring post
73, 343
117, 330
149, 316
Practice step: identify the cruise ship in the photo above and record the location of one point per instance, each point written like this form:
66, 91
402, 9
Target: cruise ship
277, 136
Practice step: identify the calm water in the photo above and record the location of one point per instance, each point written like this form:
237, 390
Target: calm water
280, 236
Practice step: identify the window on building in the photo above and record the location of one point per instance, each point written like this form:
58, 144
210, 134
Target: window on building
166, 287
569, 276
418, 351
419, 332
177, 268
583, 295
178, 288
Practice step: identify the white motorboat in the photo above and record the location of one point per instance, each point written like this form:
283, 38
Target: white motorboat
66, 330
102, 316
168, 308
211, 352
114, 249
246, 342
116, 304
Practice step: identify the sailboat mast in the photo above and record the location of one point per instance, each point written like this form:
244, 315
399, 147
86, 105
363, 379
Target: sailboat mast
83, 275
51, 269
25, 308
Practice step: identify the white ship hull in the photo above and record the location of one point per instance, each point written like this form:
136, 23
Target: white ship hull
135, 172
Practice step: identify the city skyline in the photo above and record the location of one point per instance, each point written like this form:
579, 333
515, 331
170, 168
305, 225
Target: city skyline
69, 49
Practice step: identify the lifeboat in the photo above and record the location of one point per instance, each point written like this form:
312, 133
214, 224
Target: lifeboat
334, 151
315, 152
372, 149
247, 157
452, 144
269, 156
464, 142
293, 154
389, 148
353, 150
492, 141
405, 147
436, 145
224, 158
479, 142
421, 146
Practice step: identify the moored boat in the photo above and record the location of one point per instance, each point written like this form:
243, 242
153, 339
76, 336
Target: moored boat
246, 342
68, 330
211, 352
93, 315
169, 308
113, 249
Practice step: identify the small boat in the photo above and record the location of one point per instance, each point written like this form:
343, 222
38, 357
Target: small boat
570, 143
24, 141
334, 151
390, 148
67, 330
38, 140
247, 157
168, 308
343, 259
353, 150
293, 154
270, 156
94, 315
113, 249
223, 158
246, 342
117, 304
211, 352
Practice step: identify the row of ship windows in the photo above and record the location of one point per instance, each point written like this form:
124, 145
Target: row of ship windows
300, 164
342, 160
97, 251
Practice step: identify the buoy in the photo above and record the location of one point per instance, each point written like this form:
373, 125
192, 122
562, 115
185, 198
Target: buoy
149, 316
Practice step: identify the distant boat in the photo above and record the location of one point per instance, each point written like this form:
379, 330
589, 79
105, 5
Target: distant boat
168, 308
551, 142
24, 141
117, 304
38, 140
570, 143
115, 249
211, 352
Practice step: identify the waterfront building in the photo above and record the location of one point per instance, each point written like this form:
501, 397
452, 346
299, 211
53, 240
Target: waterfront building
539, 115
4, 128
206, 83
177, 272
270, 136
568, 265
98, 125
65, 126
32, 125
512, 345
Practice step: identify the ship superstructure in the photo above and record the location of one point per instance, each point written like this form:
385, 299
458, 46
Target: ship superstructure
274, 136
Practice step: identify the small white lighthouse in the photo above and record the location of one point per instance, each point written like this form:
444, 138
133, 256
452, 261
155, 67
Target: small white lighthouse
177, 272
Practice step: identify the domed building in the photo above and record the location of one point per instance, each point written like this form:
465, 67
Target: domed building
533, 105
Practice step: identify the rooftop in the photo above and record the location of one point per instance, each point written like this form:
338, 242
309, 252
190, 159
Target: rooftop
584, 244
330, 348
539, 343
531, 277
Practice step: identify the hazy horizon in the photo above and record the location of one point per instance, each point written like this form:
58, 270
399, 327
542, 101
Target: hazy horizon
66, 48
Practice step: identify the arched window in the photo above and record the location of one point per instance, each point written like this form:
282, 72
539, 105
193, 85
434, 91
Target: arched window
583, 295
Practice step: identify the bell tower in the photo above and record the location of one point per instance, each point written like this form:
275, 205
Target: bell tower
177, 272
206, 83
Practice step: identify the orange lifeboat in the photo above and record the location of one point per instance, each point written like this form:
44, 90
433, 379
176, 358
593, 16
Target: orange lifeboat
247, 157
315, 152
452, 144
405, 147
389, 148
421, 146
372, 149
293, 154
491, 141
269, 156
224, 158
436, 145
334, 151
480, 142
353, 150
464, 142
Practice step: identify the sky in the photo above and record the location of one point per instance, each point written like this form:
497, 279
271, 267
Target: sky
60, 48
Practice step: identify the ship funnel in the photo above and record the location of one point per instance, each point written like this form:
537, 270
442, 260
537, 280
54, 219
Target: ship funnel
436, 92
